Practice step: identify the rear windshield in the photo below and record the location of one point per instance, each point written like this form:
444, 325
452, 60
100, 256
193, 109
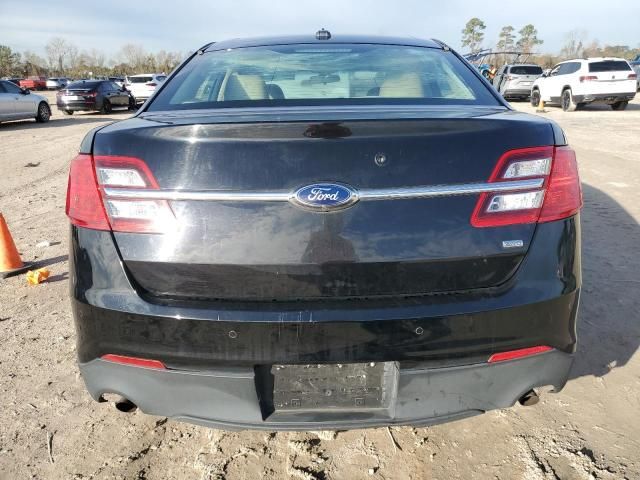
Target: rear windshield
526, 70
83, 85
310, 74
140, 79
609, 66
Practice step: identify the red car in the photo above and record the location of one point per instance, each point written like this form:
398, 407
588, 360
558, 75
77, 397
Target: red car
34, 83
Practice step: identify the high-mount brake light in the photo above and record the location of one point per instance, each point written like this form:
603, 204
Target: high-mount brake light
89, 205
559, 196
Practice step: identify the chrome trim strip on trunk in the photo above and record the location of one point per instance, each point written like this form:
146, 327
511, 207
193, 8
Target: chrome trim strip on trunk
366, 194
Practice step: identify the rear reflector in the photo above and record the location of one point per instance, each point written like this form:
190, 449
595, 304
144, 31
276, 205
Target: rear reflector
89, 206
521, 353
560, 195
134, 361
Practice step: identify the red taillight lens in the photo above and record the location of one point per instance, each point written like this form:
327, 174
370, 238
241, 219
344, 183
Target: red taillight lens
84, 204
564, 192
98, 196
134, 361
633, 76
521, 353
588, 78
558, 196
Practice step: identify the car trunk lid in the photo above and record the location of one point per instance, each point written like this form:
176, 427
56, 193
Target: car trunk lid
256, 249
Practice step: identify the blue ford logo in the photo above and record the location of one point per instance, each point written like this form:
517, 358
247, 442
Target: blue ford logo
325, 196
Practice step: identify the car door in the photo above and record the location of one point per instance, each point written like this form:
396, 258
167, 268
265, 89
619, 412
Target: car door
6, 103
123, 96
23, 105
498, 78
550, 86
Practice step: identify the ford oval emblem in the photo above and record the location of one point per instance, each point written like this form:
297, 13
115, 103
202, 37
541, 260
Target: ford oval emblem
325, 196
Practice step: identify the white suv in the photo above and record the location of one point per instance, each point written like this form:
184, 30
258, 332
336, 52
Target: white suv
574, 83
142, 86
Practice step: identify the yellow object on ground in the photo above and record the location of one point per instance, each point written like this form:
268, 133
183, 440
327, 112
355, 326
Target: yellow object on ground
35, 277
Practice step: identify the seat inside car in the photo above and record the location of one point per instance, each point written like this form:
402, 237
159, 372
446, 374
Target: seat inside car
244, 87
404, 85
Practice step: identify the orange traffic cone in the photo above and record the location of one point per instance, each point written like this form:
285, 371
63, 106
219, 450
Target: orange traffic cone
10, 262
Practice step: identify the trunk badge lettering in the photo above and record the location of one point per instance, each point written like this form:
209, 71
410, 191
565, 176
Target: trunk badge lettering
325, 197
512, 244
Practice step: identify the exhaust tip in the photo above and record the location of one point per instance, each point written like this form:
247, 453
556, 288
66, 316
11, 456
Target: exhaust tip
125, 405
529, 399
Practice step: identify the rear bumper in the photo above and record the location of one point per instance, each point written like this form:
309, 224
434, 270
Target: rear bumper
604, 97
517, 92
425, 396
78, 106
441, 342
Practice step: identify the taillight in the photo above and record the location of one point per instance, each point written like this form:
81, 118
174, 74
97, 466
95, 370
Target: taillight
588, 78
151, 84
124, 213
632, 76
84, 205
558, 195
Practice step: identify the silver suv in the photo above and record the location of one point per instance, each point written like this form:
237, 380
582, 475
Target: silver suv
514, 81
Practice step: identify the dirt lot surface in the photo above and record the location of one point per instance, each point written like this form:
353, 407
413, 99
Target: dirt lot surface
50, 428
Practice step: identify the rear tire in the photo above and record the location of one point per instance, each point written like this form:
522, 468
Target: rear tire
619, 105
132, 104
68, 112
567, 101
535, 98
44, 113
106, 107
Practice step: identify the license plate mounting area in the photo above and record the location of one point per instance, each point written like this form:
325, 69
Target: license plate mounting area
333, 387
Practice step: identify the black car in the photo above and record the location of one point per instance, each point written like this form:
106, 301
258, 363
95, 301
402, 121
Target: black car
93, 95
325, 232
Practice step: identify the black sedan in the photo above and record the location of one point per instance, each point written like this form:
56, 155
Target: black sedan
93, 95
325, 232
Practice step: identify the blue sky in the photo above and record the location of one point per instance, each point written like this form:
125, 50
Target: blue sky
182, 25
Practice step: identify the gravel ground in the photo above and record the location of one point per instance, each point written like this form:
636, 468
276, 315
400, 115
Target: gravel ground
50, 428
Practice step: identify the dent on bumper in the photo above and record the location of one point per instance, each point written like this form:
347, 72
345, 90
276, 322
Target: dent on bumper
229, 399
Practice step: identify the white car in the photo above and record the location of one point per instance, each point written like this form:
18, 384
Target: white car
56, 83
19, 103
143, 85
575, 83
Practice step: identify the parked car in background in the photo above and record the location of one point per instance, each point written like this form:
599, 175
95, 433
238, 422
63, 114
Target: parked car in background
576, 83
34, 83
19, 103
635, 64
56, 83
515, 81
320, 232
143, 85
93, 95
15, 80
117, 80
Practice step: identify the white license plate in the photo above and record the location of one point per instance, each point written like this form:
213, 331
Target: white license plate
66, 98
525, 83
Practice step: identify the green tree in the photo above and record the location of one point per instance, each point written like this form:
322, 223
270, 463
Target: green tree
506, 39
9, 62
473, 34
528, 38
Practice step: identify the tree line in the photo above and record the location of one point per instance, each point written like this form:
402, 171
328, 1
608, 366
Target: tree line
526, 39
62, 58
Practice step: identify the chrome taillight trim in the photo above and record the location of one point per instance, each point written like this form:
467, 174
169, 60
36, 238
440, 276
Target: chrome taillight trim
365, 194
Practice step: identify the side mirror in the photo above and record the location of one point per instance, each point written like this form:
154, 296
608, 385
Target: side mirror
25, 91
